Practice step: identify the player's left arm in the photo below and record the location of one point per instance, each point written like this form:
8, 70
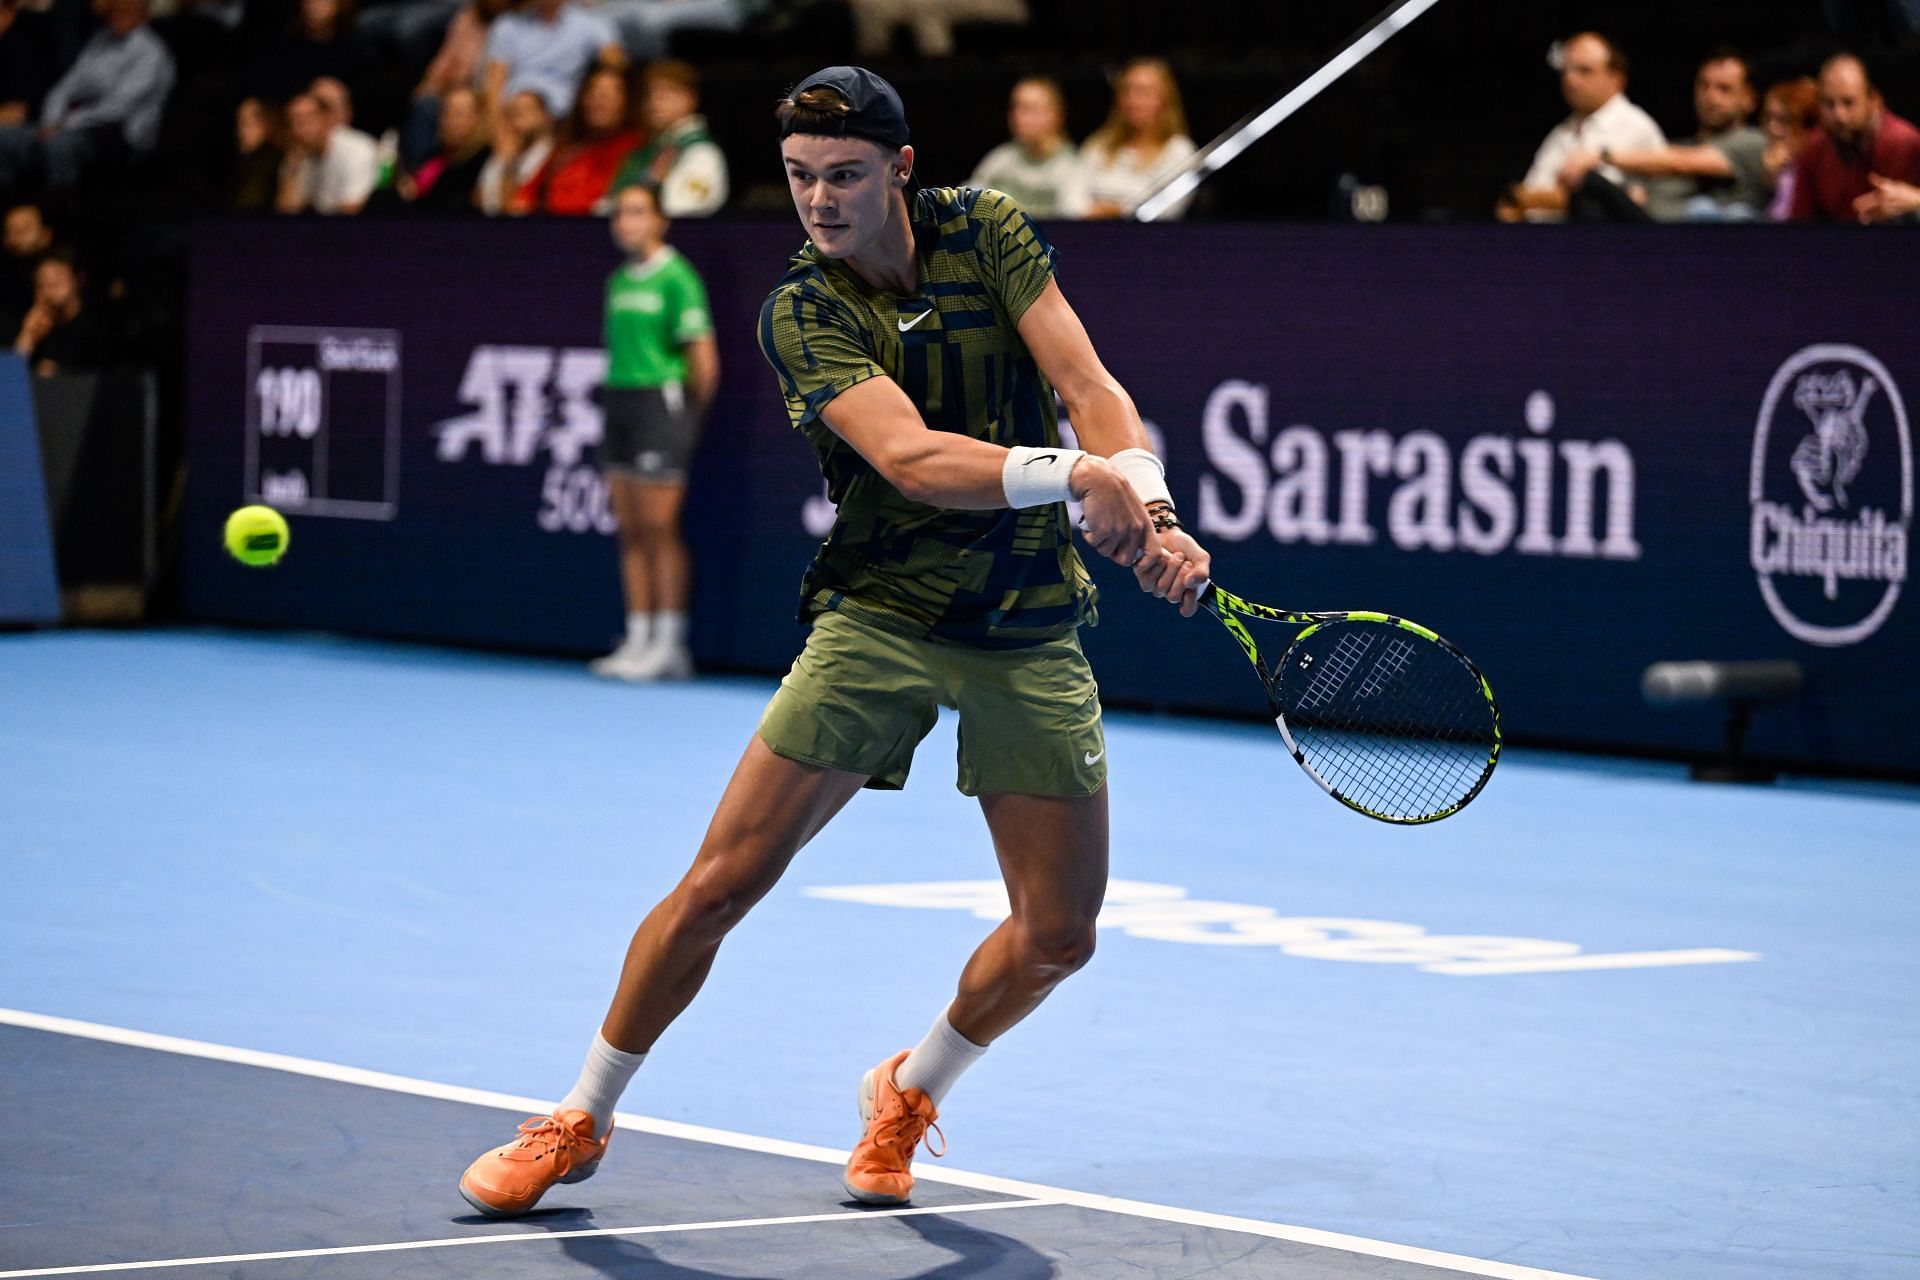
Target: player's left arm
1107, 423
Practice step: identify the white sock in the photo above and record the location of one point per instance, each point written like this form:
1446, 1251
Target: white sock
639, 629
670, 630
601, 1083
937, 1061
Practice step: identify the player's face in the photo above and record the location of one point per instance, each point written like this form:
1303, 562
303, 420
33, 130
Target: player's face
1587, 82
1722, 98
843, 189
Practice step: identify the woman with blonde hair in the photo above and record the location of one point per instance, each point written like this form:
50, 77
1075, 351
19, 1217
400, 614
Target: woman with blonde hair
1143, 142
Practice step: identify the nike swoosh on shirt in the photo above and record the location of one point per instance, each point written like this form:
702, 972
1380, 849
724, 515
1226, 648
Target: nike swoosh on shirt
908, 324
1094, 756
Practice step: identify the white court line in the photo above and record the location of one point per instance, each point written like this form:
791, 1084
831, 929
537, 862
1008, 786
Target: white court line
776, 1146
514, 1237
1607, 960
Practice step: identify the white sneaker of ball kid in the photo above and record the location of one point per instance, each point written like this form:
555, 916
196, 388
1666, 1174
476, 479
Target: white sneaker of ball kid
642, 663
626, 656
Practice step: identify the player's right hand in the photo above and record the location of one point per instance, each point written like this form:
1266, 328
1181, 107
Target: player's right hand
1111, 514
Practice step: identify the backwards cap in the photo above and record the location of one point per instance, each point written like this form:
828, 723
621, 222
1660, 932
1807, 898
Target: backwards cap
875, 112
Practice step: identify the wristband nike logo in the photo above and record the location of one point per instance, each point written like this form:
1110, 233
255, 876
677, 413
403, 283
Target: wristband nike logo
908, 324
1042, 457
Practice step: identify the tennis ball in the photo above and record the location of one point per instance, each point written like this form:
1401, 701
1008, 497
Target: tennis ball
257, 536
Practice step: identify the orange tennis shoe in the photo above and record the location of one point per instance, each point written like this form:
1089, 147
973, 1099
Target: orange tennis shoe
509, 1180
896, 1119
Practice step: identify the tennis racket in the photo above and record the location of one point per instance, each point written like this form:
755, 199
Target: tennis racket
1389, 718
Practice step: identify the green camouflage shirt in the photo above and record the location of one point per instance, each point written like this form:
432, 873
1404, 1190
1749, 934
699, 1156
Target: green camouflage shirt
989, 579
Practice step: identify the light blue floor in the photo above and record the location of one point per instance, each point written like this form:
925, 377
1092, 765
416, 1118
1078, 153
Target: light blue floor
429, 863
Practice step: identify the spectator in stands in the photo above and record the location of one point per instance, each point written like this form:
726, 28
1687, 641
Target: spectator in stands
592, 144
1593, 80
522, 140
1717, 175
1890, 200
1142, 144
60, 333
27, 63
329, 168
458, 65
1858, 139
646, 27
681, 161
1038, 166
27, 236
931, 22
1789, 115
321, 43
547, 47
255, 181
445, 181
333, 96
106, 107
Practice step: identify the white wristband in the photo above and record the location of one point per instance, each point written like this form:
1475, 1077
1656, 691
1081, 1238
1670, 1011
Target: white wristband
1146, 473
1035, 477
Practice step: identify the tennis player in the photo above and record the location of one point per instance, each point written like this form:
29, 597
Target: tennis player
662, 370
919, 338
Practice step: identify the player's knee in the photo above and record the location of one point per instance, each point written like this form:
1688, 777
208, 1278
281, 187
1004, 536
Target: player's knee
1062, 949
707, 907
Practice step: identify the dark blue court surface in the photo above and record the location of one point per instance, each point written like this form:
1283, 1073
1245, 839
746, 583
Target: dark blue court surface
198, 1167
1604, 1022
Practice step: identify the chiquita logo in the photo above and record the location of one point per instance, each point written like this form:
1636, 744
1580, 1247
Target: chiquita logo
1831, 488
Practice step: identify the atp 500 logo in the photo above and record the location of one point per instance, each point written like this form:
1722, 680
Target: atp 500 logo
526, 401
1831, 489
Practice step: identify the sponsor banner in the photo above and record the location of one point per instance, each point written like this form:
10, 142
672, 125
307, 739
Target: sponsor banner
1572, 453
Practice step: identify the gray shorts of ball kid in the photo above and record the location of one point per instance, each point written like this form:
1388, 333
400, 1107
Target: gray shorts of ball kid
861, 699
649, 433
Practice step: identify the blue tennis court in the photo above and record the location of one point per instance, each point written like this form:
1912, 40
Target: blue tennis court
294, 926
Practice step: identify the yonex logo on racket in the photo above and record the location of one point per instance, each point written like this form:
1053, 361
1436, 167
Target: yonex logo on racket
1830, 487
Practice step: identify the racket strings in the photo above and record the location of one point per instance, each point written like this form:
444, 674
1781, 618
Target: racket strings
1390, 721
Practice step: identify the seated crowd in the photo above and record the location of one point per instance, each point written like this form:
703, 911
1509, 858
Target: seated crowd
516, 107
1827, 149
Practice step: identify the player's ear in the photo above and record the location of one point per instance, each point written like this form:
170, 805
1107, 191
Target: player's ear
903, 167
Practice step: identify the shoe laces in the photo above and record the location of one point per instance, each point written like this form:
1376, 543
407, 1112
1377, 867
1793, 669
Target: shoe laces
542, 1136
899, 1128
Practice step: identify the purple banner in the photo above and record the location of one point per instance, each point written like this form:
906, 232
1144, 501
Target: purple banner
1573, 452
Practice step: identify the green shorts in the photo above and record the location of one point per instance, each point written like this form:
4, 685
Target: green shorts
861, 699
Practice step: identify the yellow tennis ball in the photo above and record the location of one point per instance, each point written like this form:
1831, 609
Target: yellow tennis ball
257, 536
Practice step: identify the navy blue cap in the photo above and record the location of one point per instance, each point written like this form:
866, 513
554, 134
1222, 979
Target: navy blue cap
876, 112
